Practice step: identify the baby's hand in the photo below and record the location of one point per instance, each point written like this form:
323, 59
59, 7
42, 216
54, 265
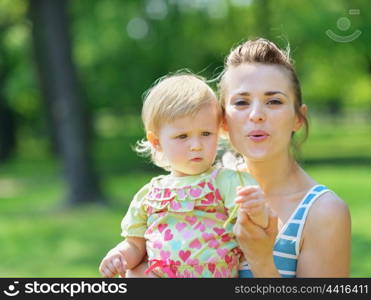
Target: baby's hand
113, 264
252, 201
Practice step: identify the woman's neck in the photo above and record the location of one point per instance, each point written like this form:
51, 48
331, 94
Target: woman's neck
278, 176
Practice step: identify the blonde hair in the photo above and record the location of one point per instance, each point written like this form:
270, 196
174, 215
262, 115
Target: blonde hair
172, 97
265, 52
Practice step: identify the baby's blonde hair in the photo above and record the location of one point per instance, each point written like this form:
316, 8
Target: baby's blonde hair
171, 97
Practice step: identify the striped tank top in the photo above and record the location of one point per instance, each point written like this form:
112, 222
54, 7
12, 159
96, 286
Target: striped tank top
286, 248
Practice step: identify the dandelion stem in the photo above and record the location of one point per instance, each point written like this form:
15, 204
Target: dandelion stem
235, 209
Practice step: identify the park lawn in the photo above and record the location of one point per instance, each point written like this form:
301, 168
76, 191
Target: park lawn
352, 184
41, 238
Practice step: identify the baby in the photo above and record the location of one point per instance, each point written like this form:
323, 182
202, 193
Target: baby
177, 219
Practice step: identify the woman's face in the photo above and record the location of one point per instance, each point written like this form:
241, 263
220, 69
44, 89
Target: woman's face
259, 110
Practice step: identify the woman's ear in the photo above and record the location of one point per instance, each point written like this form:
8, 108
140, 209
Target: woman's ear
154, 140
300, 120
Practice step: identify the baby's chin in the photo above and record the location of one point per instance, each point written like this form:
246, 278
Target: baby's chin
191, 172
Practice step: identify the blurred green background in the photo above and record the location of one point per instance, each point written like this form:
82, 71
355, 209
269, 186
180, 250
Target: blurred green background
72, 75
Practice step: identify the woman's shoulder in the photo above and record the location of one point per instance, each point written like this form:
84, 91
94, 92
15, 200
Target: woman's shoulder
329, 204
329, 210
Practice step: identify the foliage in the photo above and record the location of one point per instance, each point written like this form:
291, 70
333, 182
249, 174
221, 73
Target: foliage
122, 47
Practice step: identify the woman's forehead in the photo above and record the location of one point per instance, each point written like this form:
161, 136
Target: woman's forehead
257, 78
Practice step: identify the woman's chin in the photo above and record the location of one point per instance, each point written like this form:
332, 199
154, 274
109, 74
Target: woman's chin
257, 156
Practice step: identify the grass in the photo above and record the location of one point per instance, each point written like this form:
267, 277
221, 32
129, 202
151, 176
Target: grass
41, 238
351, 183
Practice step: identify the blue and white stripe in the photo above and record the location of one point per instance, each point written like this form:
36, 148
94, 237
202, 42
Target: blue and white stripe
286, 248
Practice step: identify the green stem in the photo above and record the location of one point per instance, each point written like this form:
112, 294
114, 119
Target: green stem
235, 209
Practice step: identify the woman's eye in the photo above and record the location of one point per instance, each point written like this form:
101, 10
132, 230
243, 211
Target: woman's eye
274, 101
241, 102
206, 133
182, 136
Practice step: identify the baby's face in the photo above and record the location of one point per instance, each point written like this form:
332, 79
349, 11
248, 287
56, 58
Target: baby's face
190, 143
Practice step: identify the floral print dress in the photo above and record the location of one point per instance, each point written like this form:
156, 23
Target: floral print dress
182, 220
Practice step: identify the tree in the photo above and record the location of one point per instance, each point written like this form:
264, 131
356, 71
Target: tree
62, 98
7, 114
7, 129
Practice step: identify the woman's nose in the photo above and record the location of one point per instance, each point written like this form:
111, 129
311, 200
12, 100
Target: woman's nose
257, 113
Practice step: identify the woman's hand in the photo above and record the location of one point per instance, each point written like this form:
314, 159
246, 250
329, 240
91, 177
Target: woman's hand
255, 242
251, 200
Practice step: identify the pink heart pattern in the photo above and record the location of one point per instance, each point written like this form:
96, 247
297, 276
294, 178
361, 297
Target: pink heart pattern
202, 184
219, 231
188, 235
181, 194
207, 236
195, 192
200, 226
161, 227
184, 255
199, 269
167, 193
222, 252
210, 199
195, 244
210, 185
213, 244
175, 205
221, 216
168, 235
191, 220
226, 238
180, 226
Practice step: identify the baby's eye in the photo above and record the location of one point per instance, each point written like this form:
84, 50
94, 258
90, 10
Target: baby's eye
274, 101
206, 133
181, 136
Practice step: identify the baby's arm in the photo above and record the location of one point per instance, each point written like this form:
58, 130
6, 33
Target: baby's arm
125, 256
252, 201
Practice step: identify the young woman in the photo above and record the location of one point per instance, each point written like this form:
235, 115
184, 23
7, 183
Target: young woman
309, 234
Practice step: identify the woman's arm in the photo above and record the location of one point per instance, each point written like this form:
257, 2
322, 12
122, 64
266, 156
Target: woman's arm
257, 244
326, 240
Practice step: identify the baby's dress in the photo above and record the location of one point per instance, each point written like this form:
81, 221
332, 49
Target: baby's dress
183, 224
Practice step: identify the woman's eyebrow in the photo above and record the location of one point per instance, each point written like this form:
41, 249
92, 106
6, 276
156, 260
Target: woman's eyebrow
244, 94
271, 93
268, 93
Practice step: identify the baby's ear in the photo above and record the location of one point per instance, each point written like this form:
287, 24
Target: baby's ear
224, 124
154, 140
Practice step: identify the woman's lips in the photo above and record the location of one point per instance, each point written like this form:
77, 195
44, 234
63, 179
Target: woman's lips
258, 136
196, 159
